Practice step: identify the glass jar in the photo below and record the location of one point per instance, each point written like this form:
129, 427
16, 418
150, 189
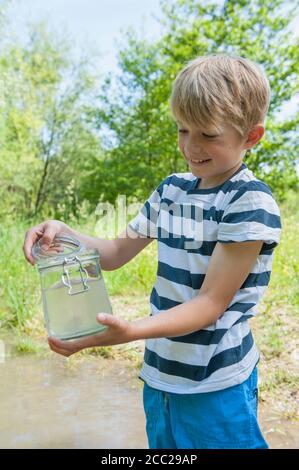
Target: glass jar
73, 288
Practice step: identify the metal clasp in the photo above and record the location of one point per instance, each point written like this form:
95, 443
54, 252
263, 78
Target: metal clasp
66, 277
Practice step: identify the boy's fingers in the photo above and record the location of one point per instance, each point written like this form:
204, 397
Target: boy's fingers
48, 237
58, 349
108, 319
30, 238
63, 352
46, 233
58, 343
70, 346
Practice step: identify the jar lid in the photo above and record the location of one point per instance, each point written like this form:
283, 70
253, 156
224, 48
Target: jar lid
62, 247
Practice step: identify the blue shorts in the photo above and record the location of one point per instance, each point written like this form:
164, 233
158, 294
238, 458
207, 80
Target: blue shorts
225, 419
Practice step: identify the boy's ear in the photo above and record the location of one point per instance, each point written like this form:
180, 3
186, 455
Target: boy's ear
254, 136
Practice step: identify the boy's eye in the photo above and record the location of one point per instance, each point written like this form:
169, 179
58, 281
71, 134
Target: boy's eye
209, 136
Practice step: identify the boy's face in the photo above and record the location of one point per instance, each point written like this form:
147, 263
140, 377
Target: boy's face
211, 154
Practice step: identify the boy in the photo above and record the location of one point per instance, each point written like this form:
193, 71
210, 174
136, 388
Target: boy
216, 227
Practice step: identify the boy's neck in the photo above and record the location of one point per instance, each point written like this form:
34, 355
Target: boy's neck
208, 183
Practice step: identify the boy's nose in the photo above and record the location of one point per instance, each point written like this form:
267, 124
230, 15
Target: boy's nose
194, 150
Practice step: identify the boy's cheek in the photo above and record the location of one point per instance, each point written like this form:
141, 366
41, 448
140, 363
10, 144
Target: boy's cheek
181, 149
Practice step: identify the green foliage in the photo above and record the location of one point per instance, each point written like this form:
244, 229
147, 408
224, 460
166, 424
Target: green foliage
285, 276
47, 137
26, 345
142, 149
19, 285
67, 143
135, 277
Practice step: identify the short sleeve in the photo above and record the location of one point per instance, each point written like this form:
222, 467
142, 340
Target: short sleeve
252, 214
145, 223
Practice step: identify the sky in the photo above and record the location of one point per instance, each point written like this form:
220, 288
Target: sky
93, 22
96, 24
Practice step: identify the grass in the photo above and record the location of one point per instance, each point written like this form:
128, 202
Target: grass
27, 345
19, 285
274, 327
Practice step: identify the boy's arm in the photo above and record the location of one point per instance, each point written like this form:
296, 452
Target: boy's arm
229, 267
117, 252
113, 253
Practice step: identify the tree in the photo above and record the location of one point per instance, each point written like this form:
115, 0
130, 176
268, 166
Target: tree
141, 146
47, 136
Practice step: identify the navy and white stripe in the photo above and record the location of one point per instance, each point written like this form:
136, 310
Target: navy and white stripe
241, 209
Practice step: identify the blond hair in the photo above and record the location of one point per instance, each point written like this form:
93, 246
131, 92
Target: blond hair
217, 89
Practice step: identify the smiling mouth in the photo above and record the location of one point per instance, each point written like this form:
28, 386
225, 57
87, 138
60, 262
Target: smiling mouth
200, 162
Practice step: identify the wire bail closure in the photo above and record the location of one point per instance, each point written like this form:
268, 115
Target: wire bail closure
66, 276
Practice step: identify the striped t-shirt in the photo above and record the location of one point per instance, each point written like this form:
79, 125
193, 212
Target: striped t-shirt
187, 222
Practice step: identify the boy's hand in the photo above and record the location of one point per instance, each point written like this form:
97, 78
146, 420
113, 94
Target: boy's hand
46, 231
119, 331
